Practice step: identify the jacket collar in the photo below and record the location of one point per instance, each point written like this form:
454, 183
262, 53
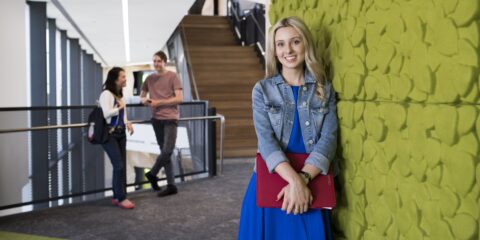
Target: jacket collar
308, 77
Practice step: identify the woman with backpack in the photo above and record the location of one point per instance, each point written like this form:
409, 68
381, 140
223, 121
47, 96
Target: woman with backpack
115, 113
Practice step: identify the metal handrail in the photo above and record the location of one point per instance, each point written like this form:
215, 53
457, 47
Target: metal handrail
70, 107
249, 15
233, 11
237, 20
259, 29
80, 125
189, 60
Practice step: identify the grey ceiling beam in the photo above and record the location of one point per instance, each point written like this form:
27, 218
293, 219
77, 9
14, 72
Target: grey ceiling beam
59, 6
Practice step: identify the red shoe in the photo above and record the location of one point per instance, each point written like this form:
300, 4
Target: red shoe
126, 204
114, 202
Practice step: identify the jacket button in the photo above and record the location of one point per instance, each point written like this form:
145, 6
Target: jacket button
310, 141
304, 88
307, 123
304, 103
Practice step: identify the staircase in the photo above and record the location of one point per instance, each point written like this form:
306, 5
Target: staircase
225, 74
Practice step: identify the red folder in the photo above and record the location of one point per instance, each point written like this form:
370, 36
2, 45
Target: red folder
270, 184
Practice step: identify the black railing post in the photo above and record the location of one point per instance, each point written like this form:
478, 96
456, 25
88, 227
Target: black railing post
215, 8
212, 137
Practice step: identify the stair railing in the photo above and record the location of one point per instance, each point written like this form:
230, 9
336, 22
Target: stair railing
189, 61
249, 28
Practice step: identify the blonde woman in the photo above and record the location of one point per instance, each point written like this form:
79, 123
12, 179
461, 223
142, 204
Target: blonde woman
294, 111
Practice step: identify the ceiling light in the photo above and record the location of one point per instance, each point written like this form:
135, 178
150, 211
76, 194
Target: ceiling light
126, 31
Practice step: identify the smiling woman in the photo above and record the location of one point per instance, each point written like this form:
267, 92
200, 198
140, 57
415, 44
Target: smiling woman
294, 111
115, 113
289, 48
301, 35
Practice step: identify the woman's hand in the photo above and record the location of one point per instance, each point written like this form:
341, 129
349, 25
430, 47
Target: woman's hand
296, 197
120, 104
130, 128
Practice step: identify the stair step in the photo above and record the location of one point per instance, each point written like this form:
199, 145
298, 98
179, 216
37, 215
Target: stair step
209, 35
250, 135
226, 86
224, 61
221, 54
223, 105
236, 113
227, 97
208, 32
205, 91
238, 122
235, 48
225, 81
216, 42
257, 73
242, 131
239, 152
228, 67
240, 143
194, 19
206, 25
231, 105
231, 74
224, 75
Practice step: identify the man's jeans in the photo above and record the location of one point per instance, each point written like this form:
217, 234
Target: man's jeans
166, 133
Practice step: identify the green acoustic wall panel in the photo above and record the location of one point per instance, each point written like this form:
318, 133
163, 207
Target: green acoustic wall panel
407, 77
408, 168
431, 47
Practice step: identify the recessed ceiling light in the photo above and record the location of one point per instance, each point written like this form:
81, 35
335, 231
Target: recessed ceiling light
126, 30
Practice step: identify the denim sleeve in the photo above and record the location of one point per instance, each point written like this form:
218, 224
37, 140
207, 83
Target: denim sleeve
325, 149
268, 145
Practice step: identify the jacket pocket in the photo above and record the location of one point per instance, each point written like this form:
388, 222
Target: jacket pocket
275, 116
317, 113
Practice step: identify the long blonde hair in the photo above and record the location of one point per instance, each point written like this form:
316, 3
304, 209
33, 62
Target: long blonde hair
312, 62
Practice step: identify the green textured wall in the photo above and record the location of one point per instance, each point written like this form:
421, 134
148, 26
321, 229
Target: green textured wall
407, 76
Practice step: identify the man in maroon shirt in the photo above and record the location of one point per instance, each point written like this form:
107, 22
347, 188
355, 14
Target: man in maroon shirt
165, 92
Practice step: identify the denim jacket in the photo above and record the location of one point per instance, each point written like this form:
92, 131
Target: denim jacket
273, 112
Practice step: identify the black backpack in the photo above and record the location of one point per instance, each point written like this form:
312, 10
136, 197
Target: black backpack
97, 127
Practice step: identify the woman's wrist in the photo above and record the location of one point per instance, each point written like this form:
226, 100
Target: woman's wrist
297, 180
306, 177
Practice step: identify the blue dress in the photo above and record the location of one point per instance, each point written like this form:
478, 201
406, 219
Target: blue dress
274, 224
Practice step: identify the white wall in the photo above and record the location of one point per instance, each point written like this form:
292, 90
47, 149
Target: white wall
13, 79
13, 60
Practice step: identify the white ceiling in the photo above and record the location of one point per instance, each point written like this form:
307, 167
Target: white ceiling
151, 22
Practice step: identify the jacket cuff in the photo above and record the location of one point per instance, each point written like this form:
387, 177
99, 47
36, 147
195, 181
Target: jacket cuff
274, 159
319, 161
